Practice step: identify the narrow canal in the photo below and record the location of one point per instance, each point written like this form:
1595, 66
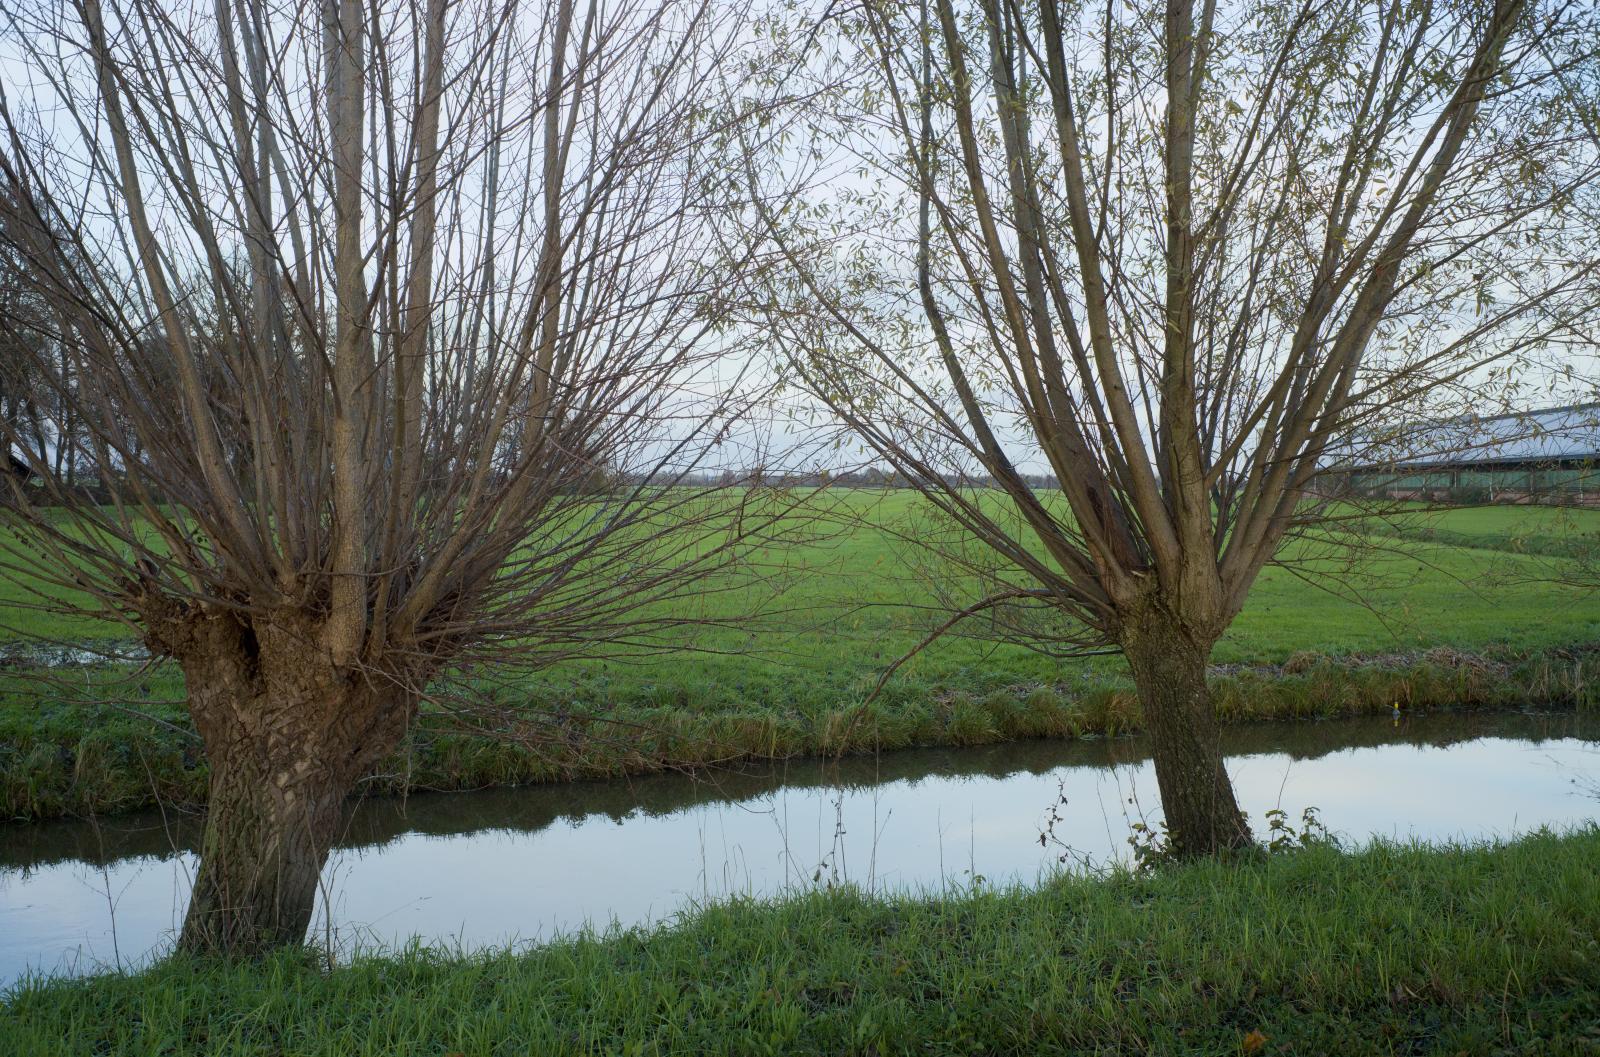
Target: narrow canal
504, 866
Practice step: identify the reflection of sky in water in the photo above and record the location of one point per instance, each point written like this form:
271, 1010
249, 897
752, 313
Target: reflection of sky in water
500, 885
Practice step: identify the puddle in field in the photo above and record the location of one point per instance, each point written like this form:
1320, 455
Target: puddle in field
86, 654
499, 866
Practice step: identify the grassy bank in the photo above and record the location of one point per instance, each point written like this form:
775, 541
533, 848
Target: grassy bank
1424, 624
1389, 950
74, 755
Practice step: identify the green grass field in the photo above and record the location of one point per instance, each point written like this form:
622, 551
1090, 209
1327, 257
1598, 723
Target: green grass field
1559, 532
1390, 950
860, 596
833, 613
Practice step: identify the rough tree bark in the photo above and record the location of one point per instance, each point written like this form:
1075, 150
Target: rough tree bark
1168, 656
287, 736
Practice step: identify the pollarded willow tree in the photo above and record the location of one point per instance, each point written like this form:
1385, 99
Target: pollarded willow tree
1171, 253
384, 330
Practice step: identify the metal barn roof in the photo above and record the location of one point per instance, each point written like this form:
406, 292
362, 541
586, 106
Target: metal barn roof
1549, 436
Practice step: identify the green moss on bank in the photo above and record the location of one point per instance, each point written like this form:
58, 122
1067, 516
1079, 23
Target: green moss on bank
1395, 949
68, 753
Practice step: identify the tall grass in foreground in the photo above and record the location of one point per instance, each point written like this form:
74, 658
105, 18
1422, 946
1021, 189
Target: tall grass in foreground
1395, 949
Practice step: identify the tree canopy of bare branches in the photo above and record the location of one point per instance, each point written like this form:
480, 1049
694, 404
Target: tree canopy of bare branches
1172, 252
384, 329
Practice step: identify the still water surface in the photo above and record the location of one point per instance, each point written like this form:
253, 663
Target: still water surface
503, 866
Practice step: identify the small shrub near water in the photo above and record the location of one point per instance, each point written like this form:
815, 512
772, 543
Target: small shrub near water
1303, 661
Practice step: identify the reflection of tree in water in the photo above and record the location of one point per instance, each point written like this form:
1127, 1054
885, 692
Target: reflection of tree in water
533, 808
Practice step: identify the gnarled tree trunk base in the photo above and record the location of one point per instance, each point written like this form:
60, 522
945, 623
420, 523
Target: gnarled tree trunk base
287, 735
270, 824
1169, 663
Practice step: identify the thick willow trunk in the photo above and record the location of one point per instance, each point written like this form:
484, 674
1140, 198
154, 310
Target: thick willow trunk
1169, 662
287, 735
270, 822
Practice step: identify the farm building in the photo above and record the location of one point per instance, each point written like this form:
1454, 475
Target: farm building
1546, 456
